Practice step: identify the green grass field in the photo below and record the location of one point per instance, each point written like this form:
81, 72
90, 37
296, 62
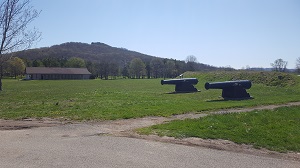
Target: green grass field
131, 98
276, 130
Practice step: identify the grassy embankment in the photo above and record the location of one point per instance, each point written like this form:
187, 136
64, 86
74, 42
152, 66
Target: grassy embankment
276, 130
128, 98
272, 129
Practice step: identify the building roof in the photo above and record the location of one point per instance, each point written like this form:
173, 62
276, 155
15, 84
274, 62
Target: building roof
47, 70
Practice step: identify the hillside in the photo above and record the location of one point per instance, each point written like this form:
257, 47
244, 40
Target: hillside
94, 52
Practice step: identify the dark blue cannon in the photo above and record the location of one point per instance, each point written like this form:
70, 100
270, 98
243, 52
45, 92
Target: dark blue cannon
182, 85
232, 89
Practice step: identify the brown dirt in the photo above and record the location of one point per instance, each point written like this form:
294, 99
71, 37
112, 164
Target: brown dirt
126, 127
29, 123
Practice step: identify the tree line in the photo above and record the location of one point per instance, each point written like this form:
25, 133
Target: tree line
137, 68
134, 69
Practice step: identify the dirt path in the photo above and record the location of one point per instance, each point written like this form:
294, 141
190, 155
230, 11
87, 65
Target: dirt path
126, 127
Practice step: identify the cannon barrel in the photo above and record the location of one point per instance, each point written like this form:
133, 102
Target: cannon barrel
182, 85
192, 81
246, 84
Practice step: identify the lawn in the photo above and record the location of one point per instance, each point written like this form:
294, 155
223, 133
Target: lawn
128, 98
276, 130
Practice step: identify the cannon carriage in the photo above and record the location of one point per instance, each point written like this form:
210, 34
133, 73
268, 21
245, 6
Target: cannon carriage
232, 89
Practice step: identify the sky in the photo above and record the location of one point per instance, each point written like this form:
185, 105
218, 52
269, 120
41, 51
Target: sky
223, 33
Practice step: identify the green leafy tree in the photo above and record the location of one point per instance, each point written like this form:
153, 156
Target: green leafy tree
75, 62
50, 62
37, 63
16, 66
15, 16
137, 68
27, 62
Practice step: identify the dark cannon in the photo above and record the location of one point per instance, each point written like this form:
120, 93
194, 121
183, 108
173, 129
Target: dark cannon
232, 89
182, 85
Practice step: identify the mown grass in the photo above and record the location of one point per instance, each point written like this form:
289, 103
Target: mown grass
276, 130
123, 98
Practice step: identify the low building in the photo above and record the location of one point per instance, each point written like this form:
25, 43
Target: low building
46, 73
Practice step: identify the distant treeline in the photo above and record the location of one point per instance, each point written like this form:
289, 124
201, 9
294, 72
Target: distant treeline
136, 68
104, 61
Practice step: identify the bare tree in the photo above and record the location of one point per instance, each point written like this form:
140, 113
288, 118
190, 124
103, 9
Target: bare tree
15, 16
279, 65
298, 65
191, 62
171, 70
157, 66
191, 58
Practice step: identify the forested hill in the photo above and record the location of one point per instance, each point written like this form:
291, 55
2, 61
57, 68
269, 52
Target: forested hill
103, 60
94, 52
